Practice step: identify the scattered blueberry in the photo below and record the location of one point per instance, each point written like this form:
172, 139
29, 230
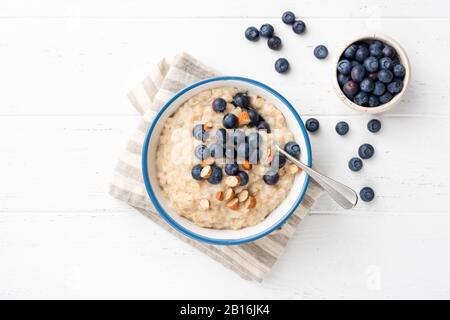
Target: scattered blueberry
366, 151
371, 64
367, 85
299, 27
379, 88
386, 97
216, 175
376, 52
244, 177
349, 53
231, 169
388, 51
312, 125
344, 67
374, 125
373, 101
199, 132
263, 125
342, 128
367, 194
271, 177
293, 149
361, 98
395, 87
358, 72
274, 43
266, 30
201, 152
386, 63
252, 34
362, 53
221, 136
399, 70
278, 161
254, 117
282, 65
230, 121
350, 88
241, 99
196, 172
376, 44
216, 150
288, 17
355, 164
219, 105
320, 52
343, 79
385, 76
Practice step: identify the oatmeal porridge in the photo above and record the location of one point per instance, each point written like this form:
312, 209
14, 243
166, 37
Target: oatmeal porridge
215, 163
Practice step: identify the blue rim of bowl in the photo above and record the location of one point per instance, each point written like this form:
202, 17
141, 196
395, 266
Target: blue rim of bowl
182, 229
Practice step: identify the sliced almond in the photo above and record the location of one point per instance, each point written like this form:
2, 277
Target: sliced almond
293, 169
208, 162
250, 203
208, 126
206, 172
229, 194
246, 165
204, 204
243, 119
233, 204
232, 181
219, 195
243, 195
237, 111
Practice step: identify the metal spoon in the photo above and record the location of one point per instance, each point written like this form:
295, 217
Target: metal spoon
343, 195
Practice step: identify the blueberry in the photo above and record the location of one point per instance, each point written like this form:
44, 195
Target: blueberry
219, 105
367, 85
266, 30
288, 17
293, 149
282, 65
373, 101
362, 53
221, 136
350, 88
230, 121
355, 63
254, 139
230, 153
242, 100
358, 73
342, 128
361, 98
278, 161
344, 67
254, 117
320, 52
386, 97
385, 76
231, 169
216, 150
216, 175
244, 177
312, 125
201, 152
367, 194
376, 44
274, 43
366, 151
238, 136
299, 27
342, 79
355, 164
373, 76
388, 51
379, 88
399, 70
371, 64
199, 132
395, 87
374, 125
349, 53
386, 63
271, 177
252, 34
243, 151
263, 125
196, 172
375, 52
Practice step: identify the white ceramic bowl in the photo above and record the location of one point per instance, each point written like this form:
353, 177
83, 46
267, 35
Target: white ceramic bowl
403, 60
226, 237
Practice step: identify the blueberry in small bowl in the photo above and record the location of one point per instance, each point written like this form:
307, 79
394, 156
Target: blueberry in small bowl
372, 73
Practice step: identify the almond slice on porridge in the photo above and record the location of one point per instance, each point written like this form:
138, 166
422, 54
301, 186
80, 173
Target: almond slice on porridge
293, 169
250, 203
232, 181
243, 195
233, 204
208, 161
219, 195
229, 194
204, 204
206, 172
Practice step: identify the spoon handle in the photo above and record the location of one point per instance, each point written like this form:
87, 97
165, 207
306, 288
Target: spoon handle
343, 195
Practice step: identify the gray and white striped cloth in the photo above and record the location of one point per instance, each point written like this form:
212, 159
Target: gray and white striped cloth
252, 261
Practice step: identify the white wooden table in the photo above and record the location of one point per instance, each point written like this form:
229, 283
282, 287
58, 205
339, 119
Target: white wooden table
65, 69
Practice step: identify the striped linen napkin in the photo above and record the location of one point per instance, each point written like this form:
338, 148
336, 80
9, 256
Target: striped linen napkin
251, 261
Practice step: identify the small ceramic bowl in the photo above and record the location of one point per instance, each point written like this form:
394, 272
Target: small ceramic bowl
403, 60
226, 237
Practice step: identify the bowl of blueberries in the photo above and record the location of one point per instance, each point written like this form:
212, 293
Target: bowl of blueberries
372, 73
